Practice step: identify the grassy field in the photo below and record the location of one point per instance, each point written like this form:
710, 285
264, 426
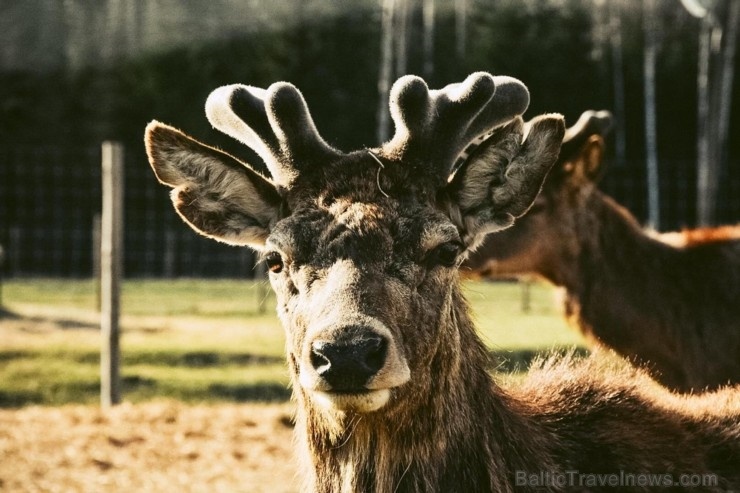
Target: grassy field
204, 341
205, 384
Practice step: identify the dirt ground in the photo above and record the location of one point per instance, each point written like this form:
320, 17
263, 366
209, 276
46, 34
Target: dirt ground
157, 447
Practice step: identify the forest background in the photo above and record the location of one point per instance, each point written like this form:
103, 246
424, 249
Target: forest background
77, 72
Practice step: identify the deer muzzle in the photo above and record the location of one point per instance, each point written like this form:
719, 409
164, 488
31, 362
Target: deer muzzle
352, 367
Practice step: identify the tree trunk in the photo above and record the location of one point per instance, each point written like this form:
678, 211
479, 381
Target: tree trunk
428, 15
615, 25
705, 166
726, 80
401, 35
386, 68
717, 45
651, 147
461, 27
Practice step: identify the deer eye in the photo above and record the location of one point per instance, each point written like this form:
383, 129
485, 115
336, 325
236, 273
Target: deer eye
274, 262
445, 254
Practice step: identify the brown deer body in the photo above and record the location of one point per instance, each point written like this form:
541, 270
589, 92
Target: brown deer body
363, 249
669, 302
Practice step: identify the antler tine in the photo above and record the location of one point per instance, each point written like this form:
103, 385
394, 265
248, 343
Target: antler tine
275, 123
410, 110
589, 123
510, 100
435, 126
258, 135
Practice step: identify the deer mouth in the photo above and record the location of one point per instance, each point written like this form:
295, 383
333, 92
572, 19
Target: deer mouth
363, 401
352, 366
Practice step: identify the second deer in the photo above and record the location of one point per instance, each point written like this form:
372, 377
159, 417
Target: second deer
669, 302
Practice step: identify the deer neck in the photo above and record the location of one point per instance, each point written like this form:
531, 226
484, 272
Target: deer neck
614, 281
454, 431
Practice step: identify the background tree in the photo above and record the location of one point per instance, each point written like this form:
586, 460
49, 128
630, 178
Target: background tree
717, 44
58, 98
650, 28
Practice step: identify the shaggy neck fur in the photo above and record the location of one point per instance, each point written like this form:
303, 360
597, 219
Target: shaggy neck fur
638, 295
459, 432
456, 431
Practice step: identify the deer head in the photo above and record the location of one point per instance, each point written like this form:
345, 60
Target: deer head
545, 237
362, 247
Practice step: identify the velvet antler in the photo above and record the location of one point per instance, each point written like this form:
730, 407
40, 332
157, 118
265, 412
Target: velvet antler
589, 123
434, 127
275, 123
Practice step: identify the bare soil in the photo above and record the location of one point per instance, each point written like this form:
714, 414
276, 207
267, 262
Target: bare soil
152, 447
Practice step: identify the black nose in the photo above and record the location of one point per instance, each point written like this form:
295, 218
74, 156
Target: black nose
349, 361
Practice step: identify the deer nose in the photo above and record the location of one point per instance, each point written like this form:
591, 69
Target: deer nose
349, 362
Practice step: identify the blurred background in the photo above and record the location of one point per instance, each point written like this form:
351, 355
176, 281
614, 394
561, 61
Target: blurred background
202, 368
76, 72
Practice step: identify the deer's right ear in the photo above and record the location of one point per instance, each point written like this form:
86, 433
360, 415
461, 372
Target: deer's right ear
216, 194
501, 179
592, 155
586, 165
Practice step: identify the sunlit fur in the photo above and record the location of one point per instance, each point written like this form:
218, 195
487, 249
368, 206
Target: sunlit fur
701, 236
668, 301
359, 246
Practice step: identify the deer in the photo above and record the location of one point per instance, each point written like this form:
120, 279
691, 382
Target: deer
667, 301
363, 250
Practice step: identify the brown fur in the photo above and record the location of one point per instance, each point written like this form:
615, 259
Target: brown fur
690, 238
666, 301
367, 248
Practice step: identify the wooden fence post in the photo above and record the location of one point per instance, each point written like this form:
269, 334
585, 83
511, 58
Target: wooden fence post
260, 276
14, 251
170, 247
526, 285
96, 258
111, 267
2, 264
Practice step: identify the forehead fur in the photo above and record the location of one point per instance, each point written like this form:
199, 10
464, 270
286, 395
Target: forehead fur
362, 177
357, 216
377, 229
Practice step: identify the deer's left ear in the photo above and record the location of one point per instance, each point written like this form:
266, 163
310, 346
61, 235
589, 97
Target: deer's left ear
499, 182
214, 193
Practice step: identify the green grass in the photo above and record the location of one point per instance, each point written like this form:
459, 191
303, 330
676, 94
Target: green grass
196, 297
205, 340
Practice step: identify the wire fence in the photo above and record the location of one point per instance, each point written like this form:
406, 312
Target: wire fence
50, 198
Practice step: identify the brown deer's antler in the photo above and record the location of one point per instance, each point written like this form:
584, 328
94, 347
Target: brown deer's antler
434, 127
275, 123
589, 123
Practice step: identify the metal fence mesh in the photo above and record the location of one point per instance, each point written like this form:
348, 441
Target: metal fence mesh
50, 196
49, 199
